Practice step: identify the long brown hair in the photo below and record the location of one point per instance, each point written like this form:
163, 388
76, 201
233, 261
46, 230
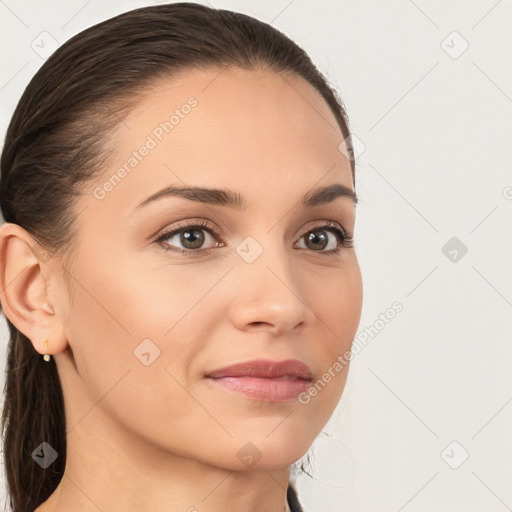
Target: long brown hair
55, 143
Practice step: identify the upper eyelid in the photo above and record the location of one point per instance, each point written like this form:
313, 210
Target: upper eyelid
168, 231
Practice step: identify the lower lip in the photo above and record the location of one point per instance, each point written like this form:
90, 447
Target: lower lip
264, 389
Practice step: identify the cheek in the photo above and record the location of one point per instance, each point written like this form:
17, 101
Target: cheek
152, 322
145, 391
339, 311
337, 302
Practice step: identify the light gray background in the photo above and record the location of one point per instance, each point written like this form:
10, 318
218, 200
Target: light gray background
436, 132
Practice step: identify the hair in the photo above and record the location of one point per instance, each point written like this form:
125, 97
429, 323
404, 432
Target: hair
57, 141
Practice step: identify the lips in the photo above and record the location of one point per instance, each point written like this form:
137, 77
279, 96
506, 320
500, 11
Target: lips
265, 369
263, 380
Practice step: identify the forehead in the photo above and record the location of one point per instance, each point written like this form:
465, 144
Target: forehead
247, 130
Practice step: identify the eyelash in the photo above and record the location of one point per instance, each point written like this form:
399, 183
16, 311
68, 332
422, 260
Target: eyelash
344, 239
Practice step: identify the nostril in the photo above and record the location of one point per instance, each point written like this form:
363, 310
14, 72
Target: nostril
258, 323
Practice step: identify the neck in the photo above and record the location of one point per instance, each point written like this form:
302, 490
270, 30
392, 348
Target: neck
108, 468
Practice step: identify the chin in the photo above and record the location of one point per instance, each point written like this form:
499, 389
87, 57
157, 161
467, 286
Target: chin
272, 453
257, 452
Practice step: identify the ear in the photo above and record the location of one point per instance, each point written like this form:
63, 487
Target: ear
24, 283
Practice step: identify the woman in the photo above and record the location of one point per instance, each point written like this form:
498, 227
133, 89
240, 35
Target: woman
178, 271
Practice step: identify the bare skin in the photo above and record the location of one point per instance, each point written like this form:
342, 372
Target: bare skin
160, 437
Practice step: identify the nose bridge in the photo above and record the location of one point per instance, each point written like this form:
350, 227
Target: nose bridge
269, 291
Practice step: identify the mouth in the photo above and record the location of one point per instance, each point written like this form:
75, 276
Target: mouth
264, 380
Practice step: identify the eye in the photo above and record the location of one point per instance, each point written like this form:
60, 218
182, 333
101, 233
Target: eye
317, 238
191, 236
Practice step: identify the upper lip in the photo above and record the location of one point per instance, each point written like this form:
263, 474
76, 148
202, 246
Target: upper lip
264, 368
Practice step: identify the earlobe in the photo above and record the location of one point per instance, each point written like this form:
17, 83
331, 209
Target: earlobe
23, 290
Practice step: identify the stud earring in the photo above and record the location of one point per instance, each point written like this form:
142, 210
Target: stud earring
46, 357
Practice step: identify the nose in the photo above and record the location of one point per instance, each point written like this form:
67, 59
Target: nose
269, 296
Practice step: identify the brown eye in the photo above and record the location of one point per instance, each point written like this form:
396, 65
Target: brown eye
316, 239
192, 238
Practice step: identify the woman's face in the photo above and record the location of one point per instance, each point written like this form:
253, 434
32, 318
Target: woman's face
146, 325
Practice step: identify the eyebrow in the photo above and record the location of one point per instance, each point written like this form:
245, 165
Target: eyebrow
219, 197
